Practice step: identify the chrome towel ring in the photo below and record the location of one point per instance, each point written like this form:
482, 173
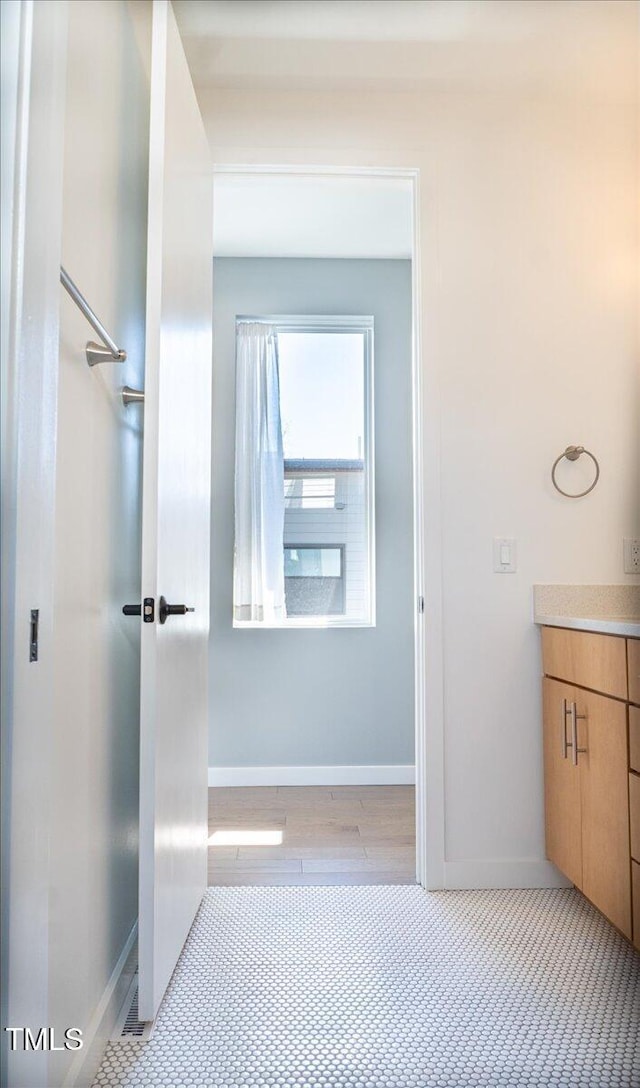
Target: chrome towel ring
572, 453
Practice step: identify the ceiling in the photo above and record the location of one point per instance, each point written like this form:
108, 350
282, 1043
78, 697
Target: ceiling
405, 44
279, 215
335, 20
499, 46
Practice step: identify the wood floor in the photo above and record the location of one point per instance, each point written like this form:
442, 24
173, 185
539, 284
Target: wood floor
329, 835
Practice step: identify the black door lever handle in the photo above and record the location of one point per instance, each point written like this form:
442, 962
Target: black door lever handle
165, 610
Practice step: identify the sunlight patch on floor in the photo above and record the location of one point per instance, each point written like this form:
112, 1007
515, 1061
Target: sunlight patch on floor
229, 837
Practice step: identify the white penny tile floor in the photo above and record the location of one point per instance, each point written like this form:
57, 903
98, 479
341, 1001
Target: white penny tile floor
393, 987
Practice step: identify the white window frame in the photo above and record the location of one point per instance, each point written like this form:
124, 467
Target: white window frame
335, 323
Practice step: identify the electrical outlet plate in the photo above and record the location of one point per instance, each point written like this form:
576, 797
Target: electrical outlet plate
631, 555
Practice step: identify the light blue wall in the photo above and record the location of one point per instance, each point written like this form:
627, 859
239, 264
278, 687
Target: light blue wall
309, 697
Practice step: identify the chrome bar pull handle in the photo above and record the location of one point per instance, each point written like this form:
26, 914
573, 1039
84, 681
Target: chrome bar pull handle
566, 711
575, 718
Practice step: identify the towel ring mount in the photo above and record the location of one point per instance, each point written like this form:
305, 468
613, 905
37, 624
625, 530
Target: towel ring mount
572, 453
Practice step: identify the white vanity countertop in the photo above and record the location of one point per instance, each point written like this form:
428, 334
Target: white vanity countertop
612, 625
609, 610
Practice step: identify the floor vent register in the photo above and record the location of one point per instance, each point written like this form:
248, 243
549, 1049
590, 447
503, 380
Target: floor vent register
129, 1029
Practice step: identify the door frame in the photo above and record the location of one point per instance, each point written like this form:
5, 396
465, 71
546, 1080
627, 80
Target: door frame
427, 547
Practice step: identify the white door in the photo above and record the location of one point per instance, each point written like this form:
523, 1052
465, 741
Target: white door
176, 507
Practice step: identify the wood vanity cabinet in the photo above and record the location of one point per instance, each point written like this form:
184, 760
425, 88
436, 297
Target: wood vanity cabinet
634, 786
633, 660
591, 789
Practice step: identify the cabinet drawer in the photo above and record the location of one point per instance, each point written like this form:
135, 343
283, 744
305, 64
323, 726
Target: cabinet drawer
634, 814
633, 659
635, 877
634, 738
593, 661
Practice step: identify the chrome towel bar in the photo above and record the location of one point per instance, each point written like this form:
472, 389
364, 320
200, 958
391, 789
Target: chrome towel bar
95, 352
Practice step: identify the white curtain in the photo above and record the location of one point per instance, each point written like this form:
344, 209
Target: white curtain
258, 586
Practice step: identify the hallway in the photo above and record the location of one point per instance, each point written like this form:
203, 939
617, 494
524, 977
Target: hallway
392, 987
325, 835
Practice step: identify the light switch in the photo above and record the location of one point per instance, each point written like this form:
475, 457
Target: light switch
504, 555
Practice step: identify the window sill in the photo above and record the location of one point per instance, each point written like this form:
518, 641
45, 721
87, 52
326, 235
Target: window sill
319, 624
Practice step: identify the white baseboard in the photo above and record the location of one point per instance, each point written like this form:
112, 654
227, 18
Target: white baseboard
402, 774
516, 873
98, 1031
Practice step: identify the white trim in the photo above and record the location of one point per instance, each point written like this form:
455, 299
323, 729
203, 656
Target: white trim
429, 645
427, 536
100, 1028
315, 170
401, 774
503, 873
337, 323
424, 861
304, 622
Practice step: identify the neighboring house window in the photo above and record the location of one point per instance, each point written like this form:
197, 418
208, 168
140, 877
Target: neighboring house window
314, 579
325, 398
306, 489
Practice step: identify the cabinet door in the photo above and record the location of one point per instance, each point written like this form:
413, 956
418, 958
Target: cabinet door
635, 876
633, 660
634, 738
561, 783
634, 815
606, 879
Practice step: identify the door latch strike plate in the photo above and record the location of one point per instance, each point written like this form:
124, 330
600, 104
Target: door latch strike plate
148, 610
33, 634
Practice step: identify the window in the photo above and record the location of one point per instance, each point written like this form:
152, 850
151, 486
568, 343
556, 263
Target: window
324, 395
305, 490
314, 581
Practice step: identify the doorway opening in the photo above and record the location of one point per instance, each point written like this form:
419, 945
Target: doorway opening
317, 714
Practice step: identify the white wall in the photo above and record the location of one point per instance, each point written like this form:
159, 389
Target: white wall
34, 87
94, 771
10, 19
317, 697
529, 255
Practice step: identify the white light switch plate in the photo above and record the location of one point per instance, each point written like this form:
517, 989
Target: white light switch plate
505, 557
